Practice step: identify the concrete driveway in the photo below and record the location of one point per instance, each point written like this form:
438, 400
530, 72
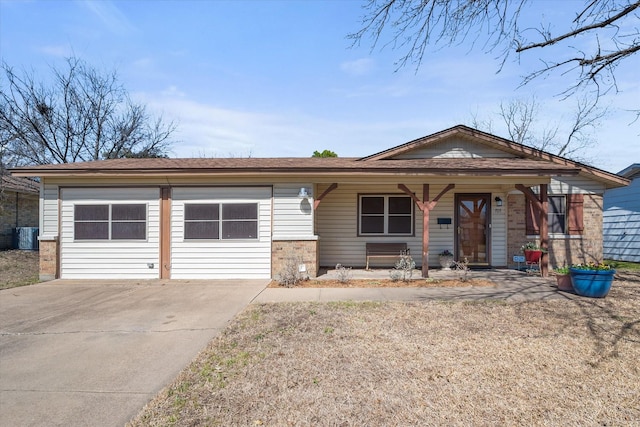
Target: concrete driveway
80, 353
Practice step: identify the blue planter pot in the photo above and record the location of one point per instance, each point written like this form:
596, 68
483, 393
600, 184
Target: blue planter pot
592, 283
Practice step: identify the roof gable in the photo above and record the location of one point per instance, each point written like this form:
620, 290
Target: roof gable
464, 136
491, 146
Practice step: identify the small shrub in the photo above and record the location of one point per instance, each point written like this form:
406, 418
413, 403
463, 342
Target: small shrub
462, 270
395, 275
290, 275
404, 269
344, 273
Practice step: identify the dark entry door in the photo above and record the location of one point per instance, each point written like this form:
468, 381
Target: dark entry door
472, 228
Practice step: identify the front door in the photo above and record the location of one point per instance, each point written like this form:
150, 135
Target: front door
472, 228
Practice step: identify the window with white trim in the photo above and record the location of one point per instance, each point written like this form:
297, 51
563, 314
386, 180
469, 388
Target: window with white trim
385, 215
220, 221
110, 222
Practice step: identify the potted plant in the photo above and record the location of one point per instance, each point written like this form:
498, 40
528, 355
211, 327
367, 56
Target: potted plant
563, 278
592, 279
446, 259
532, 252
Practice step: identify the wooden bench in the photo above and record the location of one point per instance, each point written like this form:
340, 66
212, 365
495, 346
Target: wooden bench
385, 250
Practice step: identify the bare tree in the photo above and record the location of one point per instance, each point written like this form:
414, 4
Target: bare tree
80, 115
608, 27
568, 137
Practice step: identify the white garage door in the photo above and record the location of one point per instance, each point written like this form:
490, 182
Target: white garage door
219, 233
109, 233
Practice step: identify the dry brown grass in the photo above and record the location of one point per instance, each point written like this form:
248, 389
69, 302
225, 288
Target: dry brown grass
18, 268
555, 362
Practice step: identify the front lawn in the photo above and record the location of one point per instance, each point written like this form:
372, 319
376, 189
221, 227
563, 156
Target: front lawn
555, 362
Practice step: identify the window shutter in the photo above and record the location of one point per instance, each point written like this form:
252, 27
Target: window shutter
531, 219
575, 208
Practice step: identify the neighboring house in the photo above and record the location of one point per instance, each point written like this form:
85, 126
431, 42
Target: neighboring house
622, 218
18, 207
459, 189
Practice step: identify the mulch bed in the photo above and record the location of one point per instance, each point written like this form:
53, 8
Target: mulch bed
386, 283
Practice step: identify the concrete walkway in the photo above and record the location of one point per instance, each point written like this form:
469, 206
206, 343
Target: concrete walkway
511, 286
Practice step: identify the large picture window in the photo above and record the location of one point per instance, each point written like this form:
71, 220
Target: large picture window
385, 215
225, 221
110, 222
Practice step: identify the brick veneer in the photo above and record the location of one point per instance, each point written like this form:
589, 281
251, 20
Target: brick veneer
569, 250
307, 250
16, 210
48, 259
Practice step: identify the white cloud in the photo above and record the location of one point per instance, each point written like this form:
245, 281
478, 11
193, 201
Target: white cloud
60, 51
110, 16
359, 67
207, 130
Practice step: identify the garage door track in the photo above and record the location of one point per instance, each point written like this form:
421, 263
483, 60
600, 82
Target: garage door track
79, 353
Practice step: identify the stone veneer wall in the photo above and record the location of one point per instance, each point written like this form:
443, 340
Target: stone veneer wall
307, 250
569, 250
48, 259
20, 211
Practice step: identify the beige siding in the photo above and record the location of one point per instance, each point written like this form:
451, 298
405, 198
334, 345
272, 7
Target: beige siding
336, 225
220, 259
109, 259
49, 210
575, 185
292, 216
499, 231
454, 148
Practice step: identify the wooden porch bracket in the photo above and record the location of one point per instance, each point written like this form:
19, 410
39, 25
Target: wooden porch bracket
541, 206
425, 206
329, 189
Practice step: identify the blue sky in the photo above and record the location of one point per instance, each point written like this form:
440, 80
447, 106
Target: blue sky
279, 78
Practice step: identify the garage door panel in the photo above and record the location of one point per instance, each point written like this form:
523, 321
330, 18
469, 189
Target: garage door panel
109, 259
221, 258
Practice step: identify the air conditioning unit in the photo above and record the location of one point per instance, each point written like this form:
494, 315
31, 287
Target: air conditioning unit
26, 238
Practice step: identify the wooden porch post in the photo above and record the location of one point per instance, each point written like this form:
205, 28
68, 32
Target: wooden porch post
425, 232
544, 230
541, 206
425, 206
165, 232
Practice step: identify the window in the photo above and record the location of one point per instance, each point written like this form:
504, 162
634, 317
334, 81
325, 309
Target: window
201, 221
565, 215
110, 222
557, 214
385, 215
91, 222
221, 221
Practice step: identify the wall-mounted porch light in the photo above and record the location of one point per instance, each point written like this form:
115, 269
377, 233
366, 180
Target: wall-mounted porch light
303, 194
498, 201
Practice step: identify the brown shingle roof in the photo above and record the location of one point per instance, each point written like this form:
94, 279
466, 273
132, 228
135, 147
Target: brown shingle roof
296, 166
19, 185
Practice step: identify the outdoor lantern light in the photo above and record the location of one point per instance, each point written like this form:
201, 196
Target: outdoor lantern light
498, 201
303, 194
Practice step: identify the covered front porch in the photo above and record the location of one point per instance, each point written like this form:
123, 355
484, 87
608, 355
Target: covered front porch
478, 219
